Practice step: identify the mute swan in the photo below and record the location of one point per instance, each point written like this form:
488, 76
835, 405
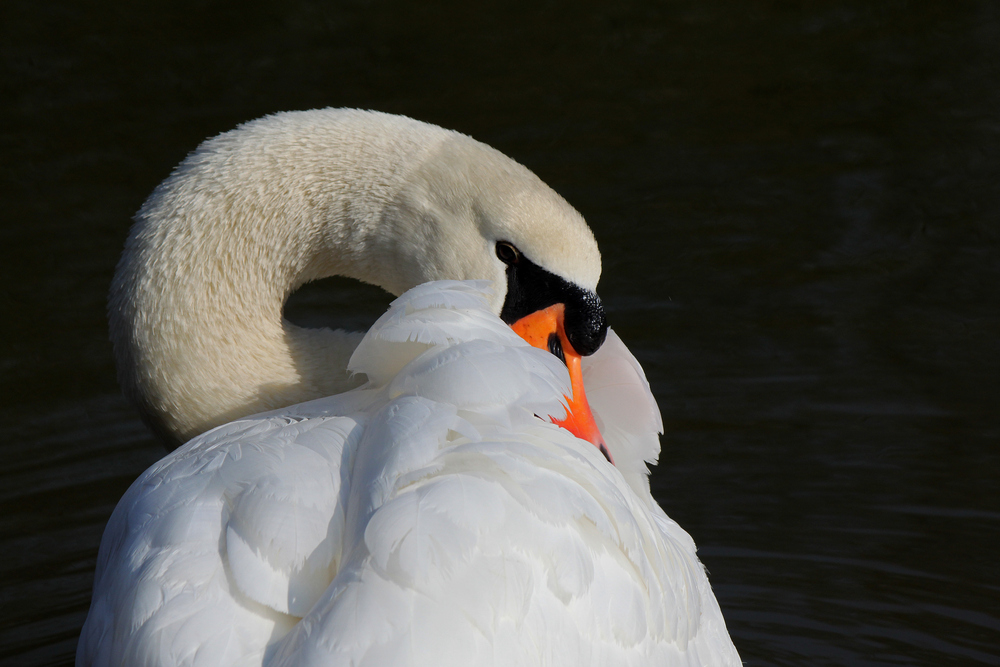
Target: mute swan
415, 505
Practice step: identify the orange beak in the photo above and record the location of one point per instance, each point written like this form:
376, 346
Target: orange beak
538, 329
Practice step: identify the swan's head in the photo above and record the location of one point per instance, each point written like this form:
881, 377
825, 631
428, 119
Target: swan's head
466, 211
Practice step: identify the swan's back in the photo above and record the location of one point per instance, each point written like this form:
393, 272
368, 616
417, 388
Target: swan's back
429, 517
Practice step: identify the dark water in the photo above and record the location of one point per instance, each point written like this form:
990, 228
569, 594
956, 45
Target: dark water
799, 210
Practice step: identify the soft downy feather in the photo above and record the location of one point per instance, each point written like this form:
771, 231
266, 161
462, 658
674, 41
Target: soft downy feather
432, 516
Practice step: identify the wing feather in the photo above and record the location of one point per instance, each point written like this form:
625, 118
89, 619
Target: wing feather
430, 517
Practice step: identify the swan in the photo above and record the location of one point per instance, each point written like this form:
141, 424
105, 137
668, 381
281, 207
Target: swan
463, 484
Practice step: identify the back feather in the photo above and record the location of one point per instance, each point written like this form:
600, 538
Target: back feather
428, 517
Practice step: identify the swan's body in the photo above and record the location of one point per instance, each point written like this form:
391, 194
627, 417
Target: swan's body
426, 517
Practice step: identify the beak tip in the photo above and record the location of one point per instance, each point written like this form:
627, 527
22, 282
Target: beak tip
545, 329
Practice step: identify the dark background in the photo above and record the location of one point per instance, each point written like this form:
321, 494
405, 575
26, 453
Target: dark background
799, 210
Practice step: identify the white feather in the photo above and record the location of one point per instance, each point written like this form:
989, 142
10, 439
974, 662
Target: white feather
624, 407
406, 500
429, 519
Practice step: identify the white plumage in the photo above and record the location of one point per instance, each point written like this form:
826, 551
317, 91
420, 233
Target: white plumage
431, 516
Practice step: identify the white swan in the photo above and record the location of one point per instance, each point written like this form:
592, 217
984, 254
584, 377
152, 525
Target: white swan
422, 513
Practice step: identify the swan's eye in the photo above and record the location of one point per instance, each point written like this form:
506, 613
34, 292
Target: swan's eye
507, 253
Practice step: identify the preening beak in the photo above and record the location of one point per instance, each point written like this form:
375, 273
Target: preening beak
546, 329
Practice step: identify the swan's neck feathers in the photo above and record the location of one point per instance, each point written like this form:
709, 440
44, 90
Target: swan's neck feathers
195, 310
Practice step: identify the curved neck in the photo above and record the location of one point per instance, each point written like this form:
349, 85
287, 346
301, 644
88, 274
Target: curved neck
195, 310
